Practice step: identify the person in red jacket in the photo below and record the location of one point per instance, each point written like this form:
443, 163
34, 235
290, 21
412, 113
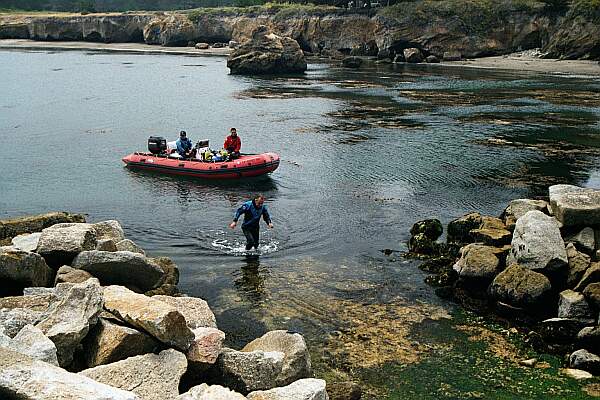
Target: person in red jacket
233, 144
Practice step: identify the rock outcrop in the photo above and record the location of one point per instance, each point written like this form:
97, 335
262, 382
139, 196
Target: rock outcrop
151, 376
120, 268
22, 377
537, 243
159, 319
296, 361
21, 269
249, 371
69, 318
305, 389
196, 311
60, 243
267, 53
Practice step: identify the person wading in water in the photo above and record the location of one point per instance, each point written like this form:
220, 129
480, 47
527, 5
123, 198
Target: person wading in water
253, 210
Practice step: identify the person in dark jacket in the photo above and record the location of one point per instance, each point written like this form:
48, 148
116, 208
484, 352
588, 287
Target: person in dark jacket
184, 145
233, 143
253, 210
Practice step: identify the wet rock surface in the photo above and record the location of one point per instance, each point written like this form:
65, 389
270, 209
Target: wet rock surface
520, 287
296, 361
267, 53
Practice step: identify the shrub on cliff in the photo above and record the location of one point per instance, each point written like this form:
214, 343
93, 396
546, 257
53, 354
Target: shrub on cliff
476, 16
588, 9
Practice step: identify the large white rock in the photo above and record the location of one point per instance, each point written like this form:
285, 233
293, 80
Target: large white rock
60, 243
196, 311
32, 342
296, 361
304, 389
22, 377
206, 347
23, 269
213, 392
248, 371
27, 241
110, 229
575, 206
151, 376
68, 319
157, 318
537, 243
120, 268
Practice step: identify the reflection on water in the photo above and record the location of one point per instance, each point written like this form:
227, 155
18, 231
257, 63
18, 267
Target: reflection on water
365, 153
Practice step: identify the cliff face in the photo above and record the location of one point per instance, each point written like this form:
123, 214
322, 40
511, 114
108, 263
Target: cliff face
94, 28
325, 33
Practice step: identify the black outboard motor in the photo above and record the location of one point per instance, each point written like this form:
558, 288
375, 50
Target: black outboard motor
157, 144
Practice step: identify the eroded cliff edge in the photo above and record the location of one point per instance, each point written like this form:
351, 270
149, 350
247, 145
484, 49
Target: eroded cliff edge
380, 33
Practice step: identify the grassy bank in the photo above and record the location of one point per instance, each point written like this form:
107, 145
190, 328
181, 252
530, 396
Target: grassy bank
473, 15
278, 9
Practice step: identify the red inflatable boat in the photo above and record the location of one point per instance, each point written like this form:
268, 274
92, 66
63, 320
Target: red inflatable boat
247, 165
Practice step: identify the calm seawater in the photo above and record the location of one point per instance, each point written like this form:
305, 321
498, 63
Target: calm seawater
365, 154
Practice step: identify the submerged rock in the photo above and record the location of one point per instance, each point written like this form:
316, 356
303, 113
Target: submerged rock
150, 376
352, 62
296, 361
577, 374
305, 389
537, 243
159, 319
22, 377
267, 53
431, 228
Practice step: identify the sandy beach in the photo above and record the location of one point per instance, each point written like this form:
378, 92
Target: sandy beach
527, 63
25, 44
514, 62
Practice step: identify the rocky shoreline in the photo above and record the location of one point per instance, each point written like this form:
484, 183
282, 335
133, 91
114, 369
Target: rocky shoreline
326, 33
84, 313
537, 267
